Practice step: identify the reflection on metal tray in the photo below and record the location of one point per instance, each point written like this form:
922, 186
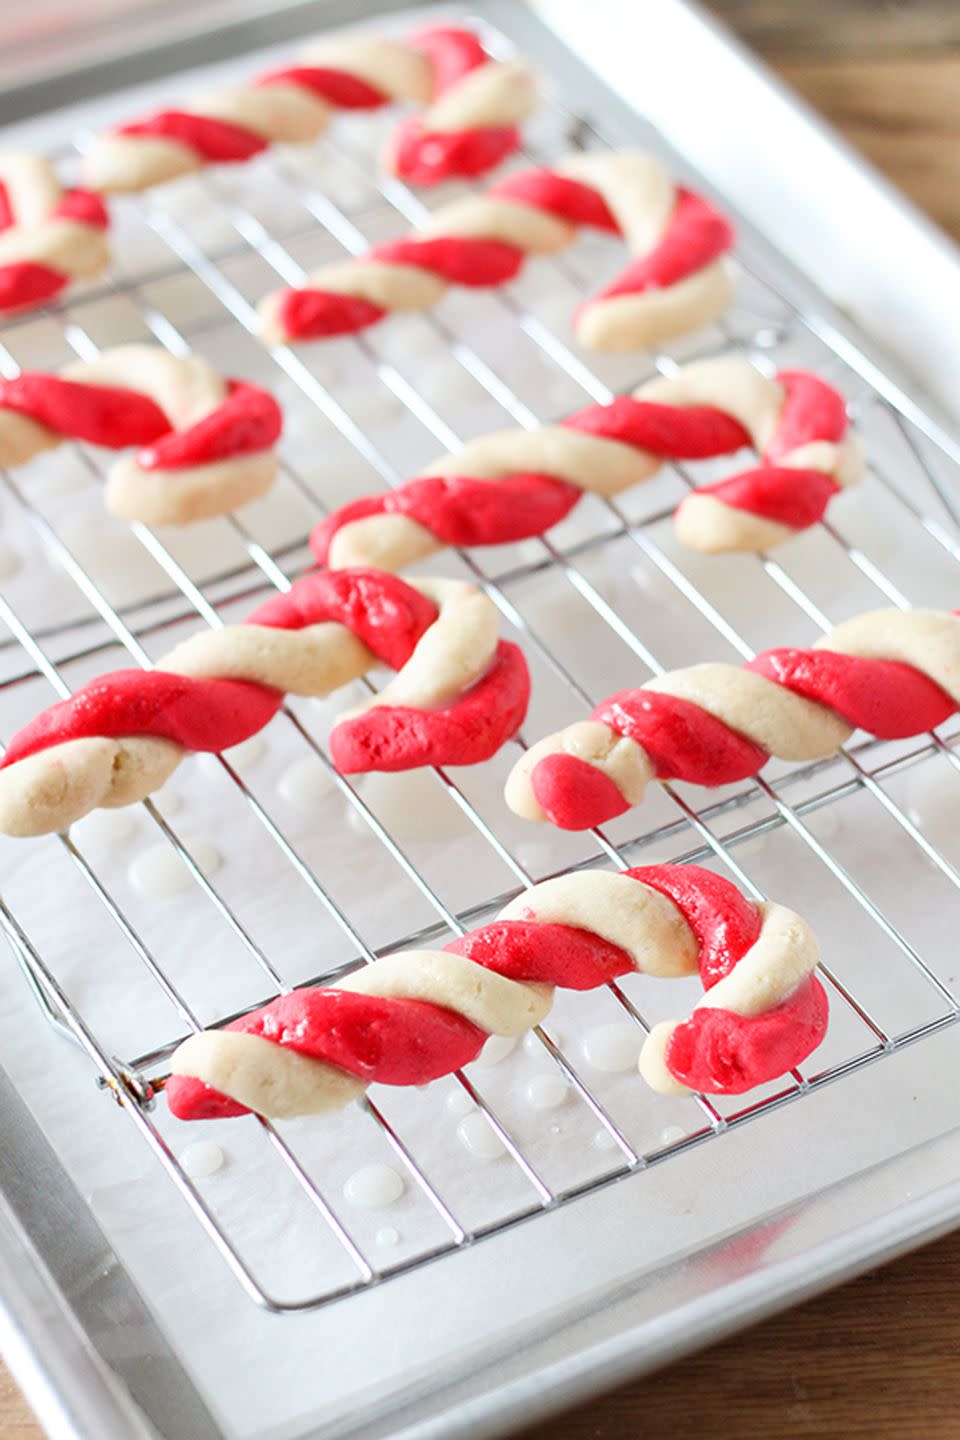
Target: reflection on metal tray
620, 1229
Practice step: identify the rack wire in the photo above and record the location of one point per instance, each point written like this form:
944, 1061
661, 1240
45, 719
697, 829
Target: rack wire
719, 832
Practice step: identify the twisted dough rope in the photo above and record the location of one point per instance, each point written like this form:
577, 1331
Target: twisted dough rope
517, 483
411, 1017
459, 694
207, 442
678, 280
469, 123
891, 673
49, 236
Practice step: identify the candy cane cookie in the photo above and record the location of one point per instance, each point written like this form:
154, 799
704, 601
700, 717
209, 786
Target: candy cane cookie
49, 236
411, 1017
678, 280
515, 484
470, 106
459, 693
204, 445
892, 673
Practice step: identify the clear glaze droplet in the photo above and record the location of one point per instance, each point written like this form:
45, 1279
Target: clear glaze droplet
497, 1048
202, 1158
373, 407
458, 1103
105, 829
412, 805
242, 757
825, 824
672, 1134
478, 1136
305, 783
387, 1237
10, 560
113, 556
656, 586
407, 340
159, 871
547, 1092
57, 475
613, 1048
247, 754
449, 384
167, 801
603, 1140
866, 523
534, 1045
933, 792
373, 1187
556, 315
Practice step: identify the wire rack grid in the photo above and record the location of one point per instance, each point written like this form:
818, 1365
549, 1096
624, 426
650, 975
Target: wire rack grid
576, 558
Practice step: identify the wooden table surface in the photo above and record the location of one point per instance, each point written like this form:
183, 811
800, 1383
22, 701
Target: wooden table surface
878, 1357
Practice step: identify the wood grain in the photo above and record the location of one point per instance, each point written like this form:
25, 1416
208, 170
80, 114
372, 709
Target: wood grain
878, 1358
904, 115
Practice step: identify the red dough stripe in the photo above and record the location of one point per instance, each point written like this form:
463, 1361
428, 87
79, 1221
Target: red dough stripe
463, 511
248, 420
402, 1042
426, 156
215, 141
83, 206
419, 154
558, 195
386, 614
99, 414
321, 314
723, 1053
696, 236
452, 51
544, 954
724, 921
575, 794
460, 510
337, 87
474, 263
813, 410
798, 498
25, 283
197, 714
211, 715
397, 737
886, 698
681, 739
672, 432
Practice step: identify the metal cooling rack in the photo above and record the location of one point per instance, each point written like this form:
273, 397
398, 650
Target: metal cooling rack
764, 326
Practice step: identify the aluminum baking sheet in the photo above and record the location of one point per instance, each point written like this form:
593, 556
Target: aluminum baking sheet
674, 1219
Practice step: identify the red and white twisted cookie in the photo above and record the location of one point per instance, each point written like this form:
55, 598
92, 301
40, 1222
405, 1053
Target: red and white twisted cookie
517, 483
204, 444
410, 1017
679, 279
459, 694
468, 123
49, 236
892, 673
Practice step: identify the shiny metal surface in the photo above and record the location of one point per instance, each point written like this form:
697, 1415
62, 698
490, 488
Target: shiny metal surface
649, 1281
